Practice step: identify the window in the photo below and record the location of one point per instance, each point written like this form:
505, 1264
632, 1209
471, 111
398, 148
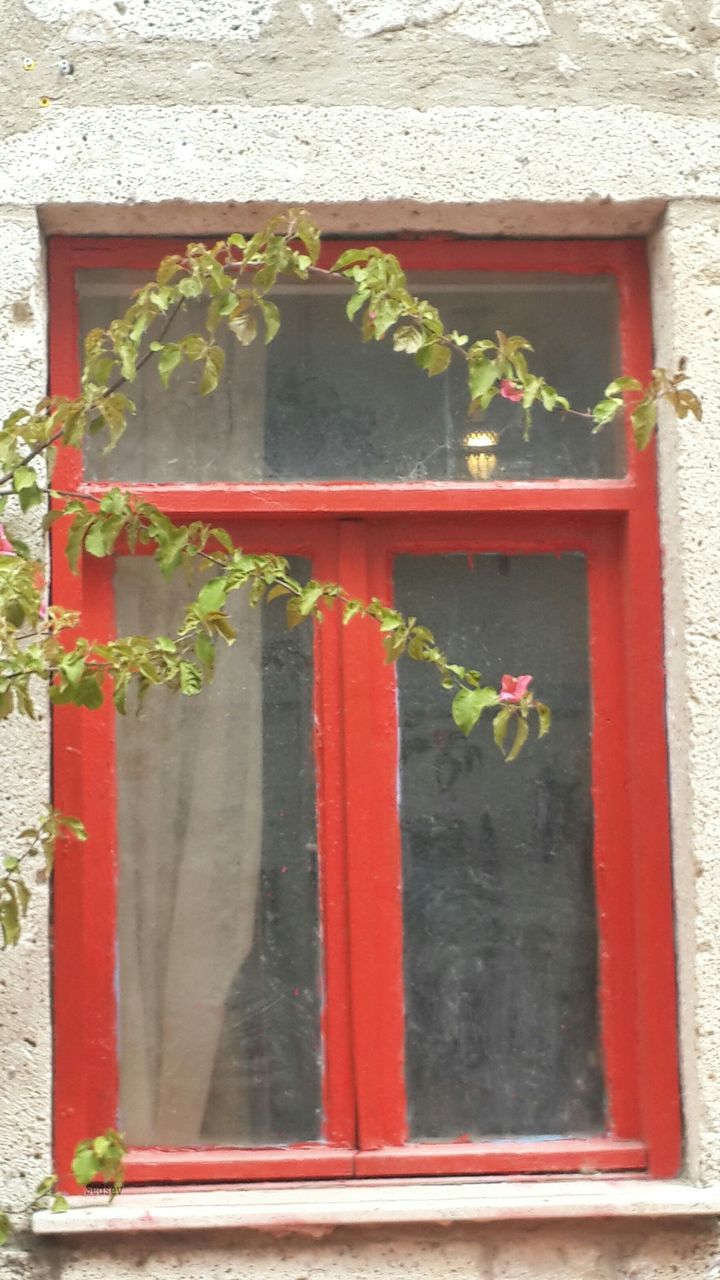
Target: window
321, 934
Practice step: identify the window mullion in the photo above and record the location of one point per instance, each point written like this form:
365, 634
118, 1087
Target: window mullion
340, 1124
373, 851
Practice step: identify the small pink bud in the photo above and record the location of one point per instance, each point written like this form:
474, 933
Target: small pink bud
6, 547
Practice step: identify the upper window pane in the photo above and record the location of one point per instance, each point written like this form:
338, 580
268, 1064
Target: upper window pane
318, 404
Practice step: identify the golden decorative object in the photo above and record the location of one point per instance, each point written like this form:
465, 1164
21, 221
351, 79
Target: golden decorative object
480, 456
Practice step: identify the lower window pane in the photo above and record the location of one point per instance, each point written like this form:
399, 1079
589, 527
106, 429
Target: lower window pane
218, 905
499, 912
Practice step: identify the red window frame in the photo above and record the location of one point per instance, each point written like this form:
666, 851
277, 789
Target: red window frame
351, 530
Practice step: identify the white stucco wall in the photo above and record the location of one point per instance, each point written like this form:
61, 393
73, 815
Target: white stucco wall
522, 117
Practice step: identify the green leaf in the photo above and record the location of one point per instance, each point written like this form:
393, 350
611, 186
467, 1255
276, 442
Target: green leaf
95, 542
5, 1229
212, 596
170, 358
205, 650
88, 694
84, 1165
209, 379
271, 316
73, 667
9, 918
46, 1185
481, 376
355, 303
644, 419
23, 895
24, 478
113, 410
605, 412
127, 354
311, 594
73, 825
74, 426
501, 724
191, 680
168, 268
74, 543
438, 359
544, 715
190, 287
226, 303
194, 346
223, 626
293, 616
223, 537
352, 608
29, 498
469, 704
350, 258
521, 736
59, 1204
622, 384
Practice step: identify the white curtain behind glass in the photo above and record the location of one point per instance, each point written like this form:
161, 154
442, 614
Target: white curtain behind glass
189, 771
190, 832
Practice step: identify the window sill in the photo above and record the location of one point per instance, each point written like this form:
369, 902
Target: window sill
321, 1206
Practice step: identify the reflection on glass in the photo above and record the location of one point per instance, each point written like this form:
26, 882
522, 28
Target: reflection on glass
317, 403
500, 933
219, 972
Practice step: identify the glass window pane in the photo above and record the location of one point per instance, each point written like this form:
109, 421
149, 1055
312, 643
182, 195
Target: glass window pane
499, 916
219, 953
318, 404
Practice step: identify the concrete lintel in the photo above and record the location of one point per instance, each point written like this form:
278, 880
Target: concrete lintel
494, 218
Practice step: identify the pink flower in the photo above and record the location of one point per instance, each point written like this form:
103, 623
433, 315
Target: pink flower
510, 391
6, 547
514, 688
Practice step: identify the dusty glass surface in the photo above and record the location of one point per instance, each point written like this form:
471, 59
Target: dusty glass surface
318, 404
499, 915
219, 952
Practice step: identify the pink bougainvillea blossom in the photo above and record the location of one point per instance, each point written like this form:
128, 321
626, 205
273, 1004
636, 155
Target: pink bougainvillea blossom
6, 547
514, 688
510, 391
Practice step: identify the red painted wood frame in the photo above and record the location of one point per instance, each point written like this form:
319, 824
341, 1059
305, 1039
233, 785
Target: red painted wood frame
351, 530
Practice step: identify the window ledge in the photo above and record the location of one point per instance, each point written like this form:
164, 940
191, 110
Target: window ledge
320, 1207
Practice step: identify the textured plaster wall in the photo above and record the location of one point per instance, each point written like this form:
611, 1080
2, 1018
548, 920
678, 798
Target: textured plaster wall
483, 116
686, 261
572, 1253
661, 53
